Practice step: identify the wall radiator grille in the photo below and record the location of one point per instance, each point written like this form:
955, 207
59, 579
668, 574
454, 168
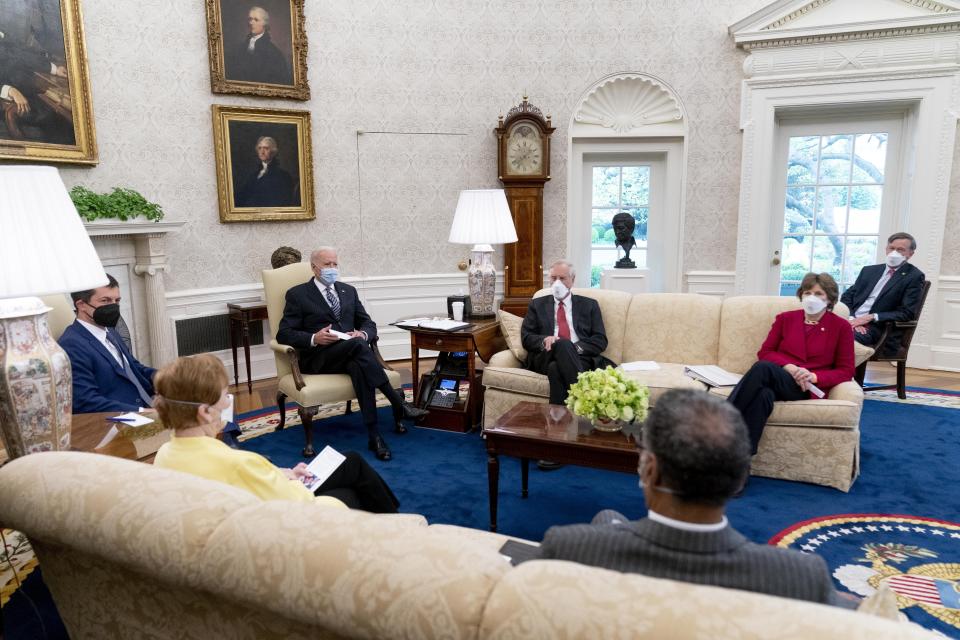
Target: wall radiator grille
211, 333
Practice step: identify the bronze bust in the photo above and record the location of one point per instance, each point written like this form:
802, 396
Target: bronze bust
623, 226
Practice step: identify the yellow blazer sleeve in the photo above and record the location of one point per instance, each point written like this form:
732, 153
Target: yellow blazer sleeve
258, 476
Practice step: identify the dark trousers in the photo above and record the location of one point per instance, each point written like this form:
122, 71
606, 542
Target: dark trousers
872, 335
561, 365
360, 487
355, 358
754, 396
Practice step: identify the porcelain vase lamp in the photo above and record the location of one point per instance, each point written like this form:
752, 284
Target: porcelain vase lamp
483, 219
44, 249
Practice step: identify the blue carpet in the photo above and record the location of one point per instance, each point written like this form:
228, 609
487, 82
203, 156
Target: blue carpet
906, 468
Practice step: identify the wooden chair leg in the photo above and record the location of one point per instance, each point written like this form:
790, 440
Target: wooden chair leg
902, 380
860, 373
281, 405
306, 417
349, 408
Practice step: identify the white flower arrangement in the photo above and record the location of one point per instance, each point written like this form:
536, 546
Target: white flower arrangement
607, 394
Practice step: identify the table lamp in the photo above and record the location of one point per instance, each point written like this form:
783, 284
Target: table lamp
44, 249
482, 219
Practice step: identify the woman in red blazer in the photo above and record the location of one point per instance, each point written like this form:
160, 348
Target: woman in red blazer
806, 350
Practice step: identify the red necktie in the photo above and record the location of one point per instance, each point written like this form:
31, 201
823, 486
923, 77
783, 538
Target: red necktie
563, 329
890, 271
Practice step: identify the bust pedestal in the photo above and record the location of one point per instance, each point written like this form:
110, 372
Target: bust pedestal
628, 280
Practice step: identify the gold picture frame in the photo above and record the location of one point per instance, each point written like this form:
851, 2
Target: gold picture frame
258, 48
46, 113
264, 164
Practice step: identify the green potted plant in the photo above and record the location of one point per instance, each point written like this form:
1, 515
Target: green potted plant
119, 204
608, 398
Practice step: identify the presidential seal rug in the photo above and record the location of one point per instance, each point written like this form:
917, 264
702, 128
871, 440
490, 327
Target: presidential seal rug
917, 558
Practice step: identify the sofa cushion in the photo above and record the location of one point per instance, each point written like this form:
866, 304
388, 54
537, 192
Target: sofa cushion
745, 322
809, 413
668, 376
613, 308
510, 328
518, 380
673, 327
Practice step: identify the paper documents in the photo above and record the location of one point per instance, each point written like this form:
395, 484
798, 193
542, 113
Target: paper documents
322, 466
815, 390
131, 419
443, 325
341, 334
640, 365
712, 375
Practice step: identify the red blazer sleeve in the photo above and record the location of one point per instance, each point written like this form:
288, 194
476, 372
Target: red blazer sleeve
769, 350
843, 359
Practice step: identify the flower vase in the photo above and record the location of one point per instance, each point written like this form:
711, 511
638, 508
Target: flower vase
606, 424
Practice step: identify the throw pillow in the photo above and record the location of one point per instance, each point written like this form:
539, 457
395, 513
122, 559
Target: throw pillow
510, 326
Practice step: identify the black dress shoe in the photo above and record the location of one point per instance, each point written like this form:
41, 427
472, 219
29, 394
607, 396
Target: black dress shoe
379, 448
411, 412
548, 465
400, 428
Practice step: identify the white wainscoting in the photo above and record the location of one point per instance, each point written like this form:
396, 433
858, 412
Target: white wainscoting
386, 298
711, 283
942, 310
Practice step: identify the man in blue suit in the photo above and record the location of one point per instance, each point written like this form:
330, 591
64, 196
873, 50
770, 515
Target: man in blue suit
888, 292
106, 376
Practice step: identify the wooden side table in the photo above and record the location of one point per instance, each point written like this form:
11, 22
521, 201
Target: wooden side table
481, 338
241, 315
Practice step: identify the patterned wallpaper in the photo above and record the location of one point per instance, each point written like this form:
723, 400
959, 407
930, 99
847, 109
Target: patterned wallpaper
428, 66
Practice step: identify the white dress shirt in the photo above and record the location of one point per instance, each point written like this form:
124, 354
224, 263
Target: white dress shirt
687, 526
864, 309
568, 308
101, 335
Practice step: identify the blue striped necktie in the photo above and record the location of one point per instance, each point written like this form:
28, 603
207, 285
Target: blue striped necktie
128, 371
334, 303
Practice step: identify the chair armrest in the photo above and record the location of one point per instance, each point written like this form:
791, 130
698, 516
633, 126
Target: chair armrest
294, 359
849, 391
376, 352
504, 358
906, 324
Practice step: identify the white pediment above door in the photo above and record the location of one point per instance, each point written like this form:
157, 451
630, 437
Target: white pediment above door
788, 22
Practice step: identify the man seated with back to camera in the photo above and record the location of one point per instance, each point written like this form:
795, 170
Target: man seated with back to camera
694, 456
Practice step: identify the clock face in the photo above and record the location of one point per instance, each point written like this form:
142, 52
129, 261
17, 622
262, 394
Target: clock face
524, 151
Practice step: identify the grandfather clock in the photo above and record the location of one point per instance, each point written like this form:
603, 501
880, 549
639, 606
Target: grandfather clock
523, 166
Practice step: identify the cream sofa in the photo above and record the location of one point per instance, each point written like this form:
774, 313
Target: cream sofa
811, 440
132, 551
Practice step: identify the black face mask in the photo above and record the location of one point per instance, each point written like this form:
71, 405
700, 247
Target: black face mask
107, 315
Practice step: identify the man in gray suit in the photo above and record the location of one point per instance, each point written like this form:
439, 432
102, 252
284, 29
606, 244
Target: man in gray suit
694, 456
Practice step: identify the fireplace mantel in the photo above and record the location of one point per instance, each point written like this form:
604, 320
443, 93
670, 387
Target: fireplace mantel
135, 253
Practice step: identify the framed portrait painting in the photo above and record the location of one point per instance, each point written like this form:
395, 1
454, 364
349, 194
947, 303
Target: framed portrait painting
264, 164
258, 47
46, 113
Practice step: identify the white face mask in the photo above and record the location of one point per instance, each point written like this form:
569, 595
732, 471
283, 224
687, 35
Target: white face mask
894, 259
813, 305
559, 289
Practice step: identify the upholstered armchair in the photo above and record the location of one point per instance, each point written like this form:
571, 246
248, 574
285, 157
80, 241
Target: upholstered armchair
308, 391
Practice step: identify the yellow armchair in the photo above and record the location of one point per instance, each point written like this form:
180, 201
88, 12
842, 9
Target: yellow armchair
308, 391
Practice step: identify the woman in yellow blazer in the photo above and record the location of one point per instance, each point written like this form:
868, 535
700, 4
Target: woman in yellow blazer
191, 394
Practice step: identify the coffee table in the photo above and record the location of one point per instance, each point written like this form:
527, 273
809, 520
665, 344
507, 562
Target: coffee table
533, 430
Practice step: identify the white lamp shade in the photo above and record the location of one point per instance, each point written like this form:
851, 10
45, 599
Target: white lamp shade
482, 217
43, 246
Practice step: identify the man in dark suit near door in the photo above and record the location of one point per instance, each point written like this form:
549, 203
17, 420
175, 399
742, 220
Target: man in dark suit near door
888, 292
563, 333
694, 456
317, 308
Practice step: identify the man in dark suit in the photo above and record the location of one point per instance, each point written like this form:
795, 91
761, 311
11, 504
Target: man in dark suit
694, 455
269, 184
563, 333
887, 292
314, 311
257, 58
106, 376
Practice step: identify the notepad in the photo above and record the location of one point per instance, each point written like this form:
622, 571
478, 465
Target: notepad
322, 467
712, 375
640, 365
